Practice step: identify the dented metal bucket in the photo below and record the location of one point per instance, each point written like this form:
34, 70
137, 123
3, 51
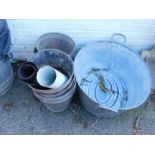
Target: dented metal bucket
55, 41
113, 80
58, 99
56, 94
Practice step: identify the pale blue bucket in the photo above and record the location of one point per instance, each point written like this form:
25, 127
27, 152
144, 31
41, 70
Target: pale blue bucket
127, 78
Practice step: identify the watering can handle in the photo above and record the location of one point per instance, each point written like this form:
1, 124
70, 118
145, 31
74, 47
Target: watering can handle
118, 35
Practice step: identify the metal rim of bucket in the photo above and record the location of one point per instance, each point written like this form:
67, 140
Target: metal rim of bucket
61, 98
67, 94
58, 99
80, 53
68, 91
58, 93
66, 83
50, 91
51, 101
67, 102
49, 105
48, 36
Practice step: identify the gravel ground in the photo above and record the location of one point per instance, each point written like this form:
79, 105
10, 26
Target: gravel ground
21, 113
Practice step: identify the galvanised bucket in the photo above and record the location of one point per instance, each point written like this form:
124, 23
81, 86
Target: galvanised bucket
56, 58
58, 99
114, 78
58, 41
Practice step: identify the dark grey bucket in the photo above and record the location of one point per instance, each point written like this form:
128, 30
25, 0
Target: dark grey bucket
55, 41
56, 94
58, 107
55, 100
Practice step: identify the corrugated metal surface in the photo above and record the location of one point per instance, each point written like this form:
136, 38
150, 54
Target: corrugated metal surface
140, 33
6, 76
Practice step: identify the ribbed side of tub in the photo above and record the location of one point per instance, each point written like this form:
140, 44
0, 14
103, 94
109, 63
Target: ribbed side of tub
6, 76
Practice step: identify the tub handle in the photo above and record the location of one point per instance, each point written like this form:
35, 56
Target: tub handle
118, 35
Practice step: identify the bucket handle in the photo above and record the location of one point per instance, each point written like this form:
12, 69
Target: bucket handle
118, 35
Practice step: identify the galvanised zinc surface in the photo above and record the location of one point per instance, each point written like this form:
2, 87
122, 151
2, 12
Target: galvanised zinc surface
124, 72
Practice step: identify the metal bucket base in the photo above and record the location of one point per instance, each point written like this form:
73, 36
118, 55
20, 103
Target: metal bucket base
50, 108
58, 107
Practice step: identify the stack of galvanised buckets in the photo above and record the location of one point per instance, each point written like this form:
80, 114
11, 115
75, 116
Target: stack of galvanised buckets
55, 49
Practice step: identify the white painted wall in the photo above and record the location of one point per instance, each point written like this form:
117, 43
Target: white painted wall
140, 34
